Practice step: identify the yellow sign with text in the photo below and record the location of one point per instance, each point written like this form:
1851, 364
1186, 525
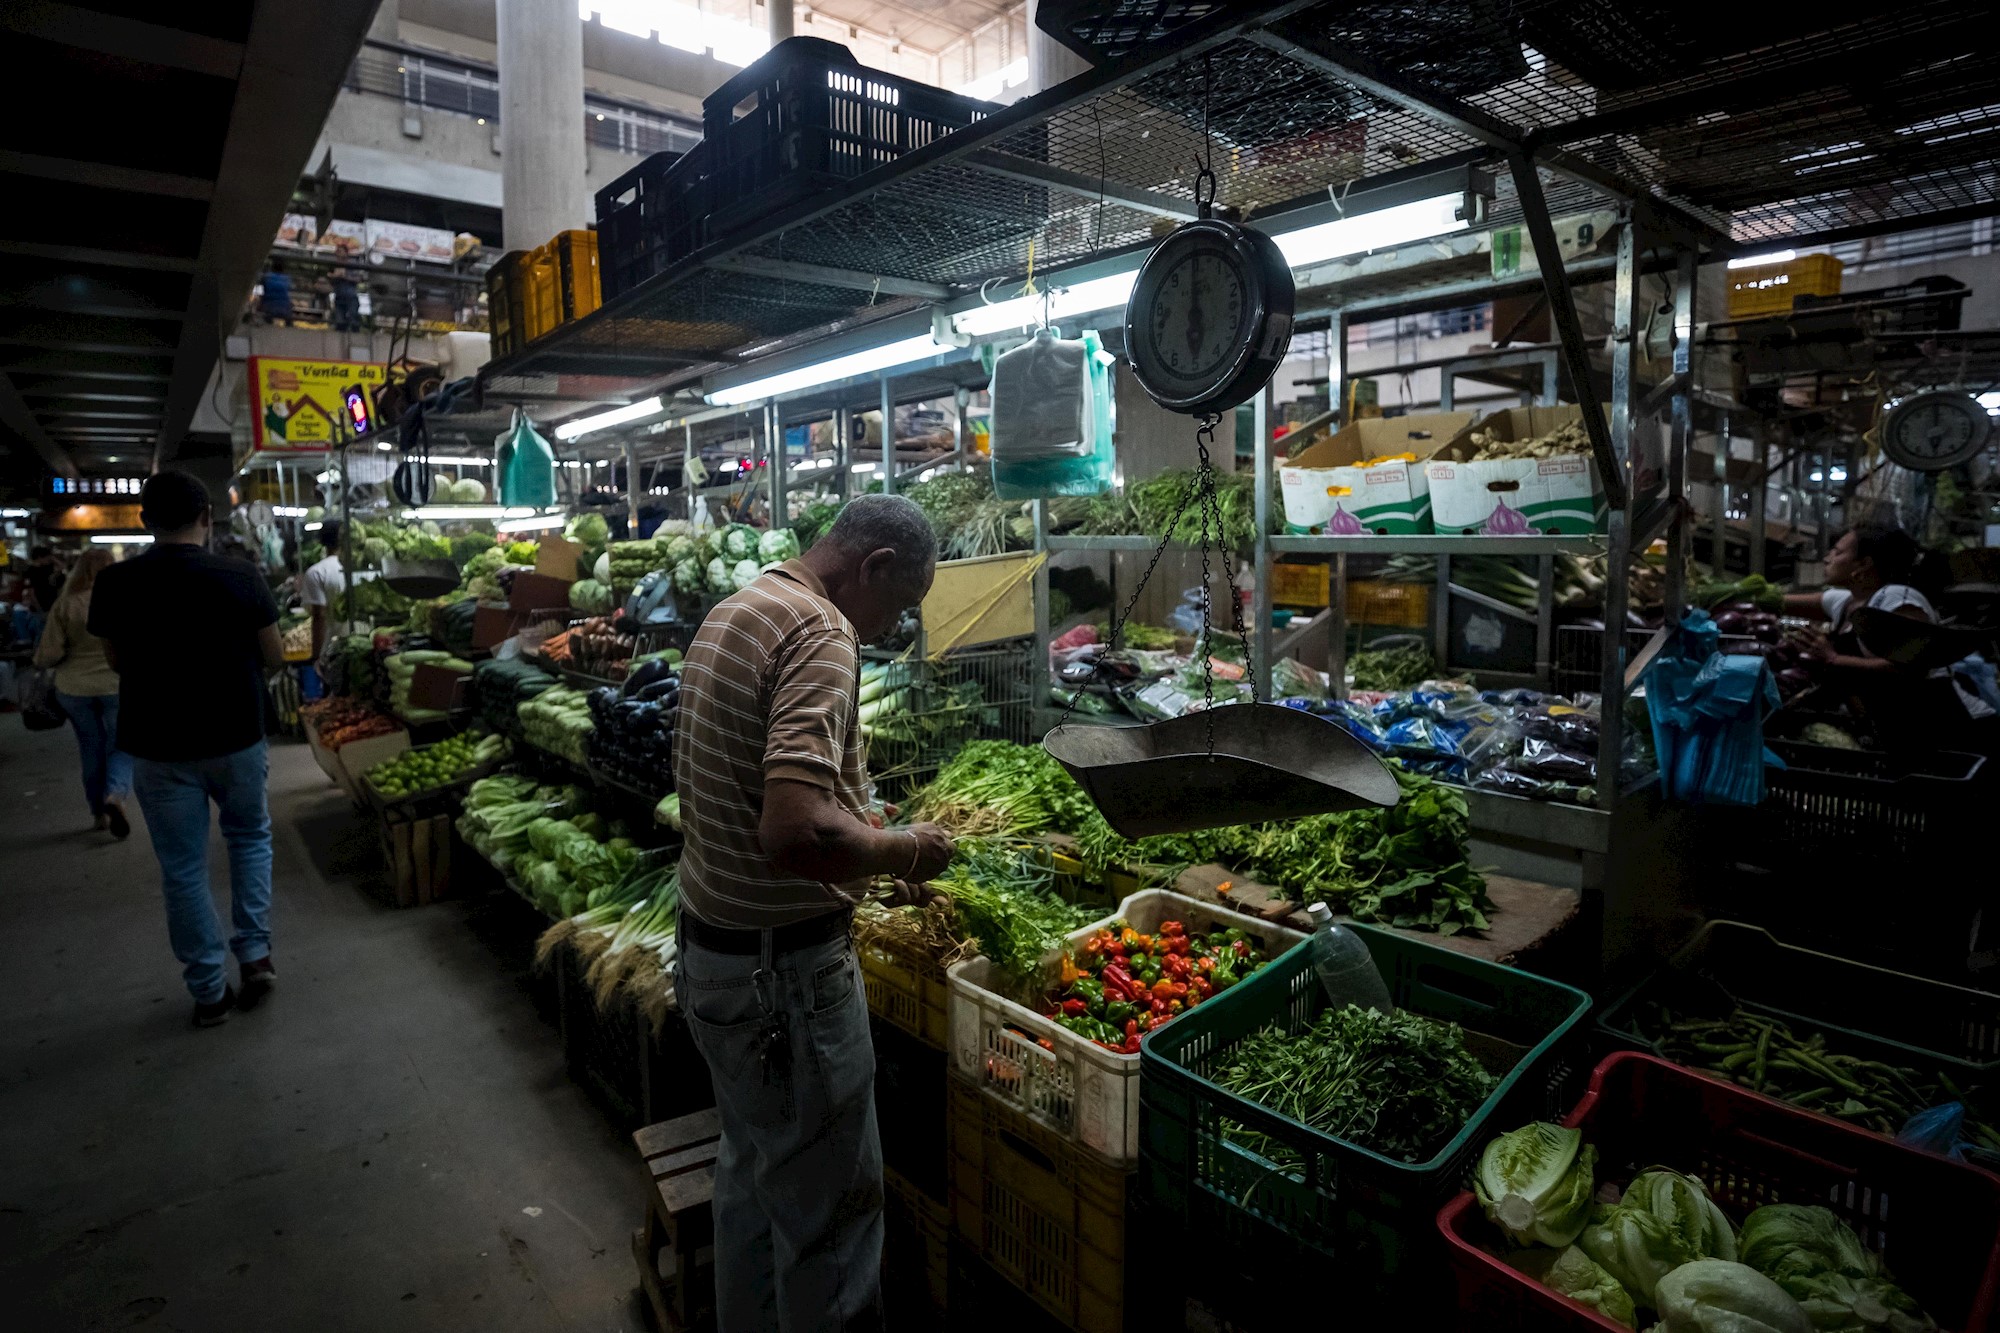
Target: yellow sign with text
300, 406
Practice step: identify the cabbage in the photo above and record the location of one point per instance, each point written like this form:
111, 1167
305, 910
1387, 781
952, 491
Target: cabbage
1720, 1296
1819, 1261
468, 491
1665, 1220
744, 574
601, 571
590, 597
719, 581
679, 549
778, 544
1535, 1184
374, 553
739, 541
314, 513
687, 576
1578, 1277
589, 530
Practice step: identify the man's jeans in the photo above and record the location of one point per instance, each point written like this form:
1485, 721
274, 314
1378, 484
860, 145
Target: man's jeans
107, 770
798, 1183
175, 797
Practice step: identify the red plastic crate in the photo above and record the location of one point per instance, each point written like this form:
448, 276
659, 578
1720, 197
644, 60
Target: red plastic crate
1936, 1222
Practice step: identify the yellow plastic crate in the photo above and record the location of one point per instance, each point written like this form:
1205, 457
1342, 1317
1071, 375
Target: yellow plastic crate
562, 282
1769, 289
1300, 584
911, 995
1374, 603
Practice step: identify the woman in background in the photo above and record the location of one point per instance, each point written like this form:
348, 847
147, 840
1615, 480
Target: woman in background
88, 688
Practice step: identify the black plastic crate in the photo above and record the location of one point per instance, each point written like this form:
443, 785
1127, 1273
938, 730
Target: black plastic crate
651, 217
910, 1109
806, 118
1859, 807
507, 302
1931, 303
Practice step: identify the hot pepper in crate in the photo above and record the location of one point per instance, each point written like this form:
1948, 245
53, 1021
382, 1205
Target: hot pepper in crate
1123, 983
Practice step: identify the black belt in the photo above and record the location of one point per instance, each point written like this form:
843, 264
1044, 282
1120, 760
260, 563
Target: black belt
807, 934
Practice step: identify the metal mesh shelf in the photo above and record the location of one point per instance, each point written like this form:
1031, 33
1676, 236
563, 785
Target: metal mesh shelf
1879, 121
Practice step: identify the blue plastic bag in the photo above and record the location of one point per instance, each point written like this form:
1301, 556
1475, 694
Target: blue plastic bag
1026, 465
1707, 711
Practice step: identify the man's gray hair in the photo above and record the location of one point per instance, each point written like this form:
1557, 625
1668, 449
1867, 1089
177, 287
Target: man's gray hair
871, 522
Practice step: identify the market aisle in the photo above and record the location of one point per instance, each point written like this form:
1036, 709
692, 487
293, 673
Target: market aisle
390, 1143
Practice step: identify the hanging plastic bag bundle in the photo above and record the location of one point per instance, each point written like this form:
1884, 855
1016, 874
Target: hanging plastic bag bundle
1708, 709
526, 467
1052, 418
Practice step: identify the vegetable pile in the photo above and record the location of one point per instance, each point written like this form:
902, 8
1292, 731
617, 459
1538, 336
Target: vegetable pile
558, 721
1402, 668
1663, 1244
501, 686
338, 719
402, 669
1400, 1084
908, 710
997, 898
1127, 983
1765, 1055
1568, 438
633, 741
434, 766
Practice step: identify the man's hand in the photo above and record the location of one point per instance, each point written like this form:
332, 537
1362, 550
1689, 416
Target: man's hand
905, 894
933, 854
1819, 648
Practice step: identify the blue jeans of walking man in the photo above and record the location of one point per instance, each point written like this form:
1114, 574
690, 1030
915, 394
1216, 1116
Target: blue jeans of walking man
176, 797
107, 770
798, 1182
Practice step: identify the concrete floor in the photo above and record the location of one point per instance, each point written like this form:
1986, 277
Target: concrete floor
390, 1143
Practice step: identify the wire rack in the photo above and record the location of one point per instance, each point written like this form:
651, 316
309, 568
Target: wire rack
1887, 117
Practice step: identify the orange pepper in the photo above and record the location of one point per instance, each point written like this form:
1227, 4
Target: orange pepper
1070, 971
1223, 888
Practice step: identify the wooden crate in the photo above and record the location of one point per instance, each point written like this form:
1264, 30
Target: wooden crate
418, 849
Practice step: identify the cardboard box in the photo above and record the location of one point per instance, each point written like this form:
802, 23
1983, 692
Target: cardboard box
980, 600
1516, 496
434, 686
556, 557
539, 592
1326, 490
347, 764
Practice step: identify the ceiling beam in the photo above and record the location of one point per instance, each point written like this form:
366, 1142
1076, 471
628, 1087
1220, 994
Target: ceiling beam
83, 391
106, 176
18, 420
86, 334
128, 39
292, 68
84, 254
50, 417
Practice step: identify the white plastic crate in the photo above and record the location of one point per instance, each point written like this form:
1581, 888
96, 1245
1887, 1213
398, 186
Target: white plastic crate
1078, 1089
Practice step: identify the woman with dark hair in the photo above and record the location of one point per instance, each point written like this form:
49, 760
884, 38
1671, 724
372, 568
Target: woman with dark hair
1869, 566
88, 688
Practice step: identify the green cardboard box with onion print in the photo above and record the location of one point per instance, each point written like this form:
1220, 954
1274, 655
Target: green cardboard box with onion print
1549, 485
1368, 478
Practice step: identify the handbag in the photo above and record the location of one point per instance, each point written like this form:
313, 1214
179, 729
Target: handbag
41, 710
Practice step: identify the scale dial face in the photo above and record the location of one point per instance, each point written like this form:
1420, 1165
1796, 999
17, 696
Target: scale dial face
1209, 318
1929, 432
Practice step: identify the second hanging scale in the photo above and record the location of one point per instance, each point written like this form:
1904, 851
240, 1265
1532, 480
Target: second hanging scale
1208, 322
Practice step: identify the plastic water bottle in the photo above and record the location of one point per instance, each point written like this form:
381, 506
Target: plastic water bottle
1345, 969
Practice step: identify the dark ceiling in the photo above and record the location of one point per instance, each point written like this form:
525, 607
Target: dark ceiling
138, 216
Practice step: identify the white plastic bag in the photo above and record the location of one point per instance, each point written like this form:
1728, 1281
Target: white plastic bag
1041, 401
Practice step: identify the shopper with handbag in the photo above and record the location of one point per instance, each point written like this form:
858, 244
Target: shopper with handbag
87, 688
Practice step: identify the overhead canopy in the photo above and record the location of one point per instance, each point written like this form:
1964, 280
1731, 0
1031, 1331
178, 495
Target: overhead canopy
139, 218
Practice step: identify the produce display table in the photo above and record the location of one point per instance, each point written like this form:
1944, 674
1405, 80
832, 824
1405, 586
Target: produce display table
1528, 918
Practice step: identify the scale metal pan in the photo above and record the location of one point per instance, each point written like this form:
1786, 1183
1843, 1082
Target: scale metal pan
1270, 762
420, 578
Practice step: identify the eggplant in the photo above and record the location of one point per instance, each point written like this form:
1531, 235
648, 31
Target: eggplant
660, 690
1733, 623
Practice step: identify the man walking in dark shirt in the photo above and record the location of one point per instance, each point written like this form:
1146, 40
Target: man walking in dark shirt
191, 635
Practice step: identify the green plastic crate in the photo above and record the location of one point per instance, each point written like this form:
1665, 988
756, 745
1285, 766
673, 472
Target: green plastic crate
1366, 1214
1928, 1022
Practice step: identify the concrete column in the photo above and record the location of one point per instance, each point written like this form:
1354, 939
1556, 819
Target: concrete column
1049, 61
779, 13
387, 25
541, 120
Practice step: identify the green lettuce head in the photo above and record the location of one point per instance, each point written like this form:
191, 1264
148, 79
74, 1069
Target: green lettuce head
1535, 1184
1665, 1220
1575, 1275
1819, 1260
1722, 1296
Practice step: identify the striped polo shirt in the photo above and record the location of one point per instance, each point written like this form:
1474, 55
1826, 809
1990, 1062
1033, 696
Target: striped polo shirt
767, 692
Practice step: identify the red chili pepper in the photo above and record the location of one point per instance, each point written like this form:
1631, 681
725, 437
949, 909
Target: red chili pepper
1164, 989
1203, 987
1093, 946
1242, 948
1172, 928
1179, 946
1045, 1043
1075, 1008
1131, 1047
1205, 964
1158, 1005
1131, 1029
1177, 966
1115, 976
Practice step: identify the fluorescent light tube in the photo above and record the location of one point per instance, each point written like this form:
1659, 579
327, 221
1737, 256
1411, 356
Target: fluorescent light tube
1379, 229
617, 416
314, 527
532, 524
1775, 257
920, 348
1021, 311
289, 511
132, 539
865, 467
443, 513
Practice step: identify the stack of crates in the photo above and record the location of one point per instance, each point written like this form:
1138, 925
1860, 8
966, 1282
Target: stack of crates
651, 218
530, 292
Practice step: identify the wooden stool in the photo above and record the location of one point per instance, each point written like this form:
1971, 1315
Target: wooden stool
680, 1163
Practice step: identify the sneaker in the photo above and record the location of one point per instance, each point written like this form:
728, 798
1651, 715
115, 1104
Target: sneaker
120, 826
258, 979
210, 1015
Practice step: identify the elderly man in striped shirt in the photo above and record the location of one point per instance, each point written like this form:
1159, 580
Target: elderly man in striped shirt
771, 767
